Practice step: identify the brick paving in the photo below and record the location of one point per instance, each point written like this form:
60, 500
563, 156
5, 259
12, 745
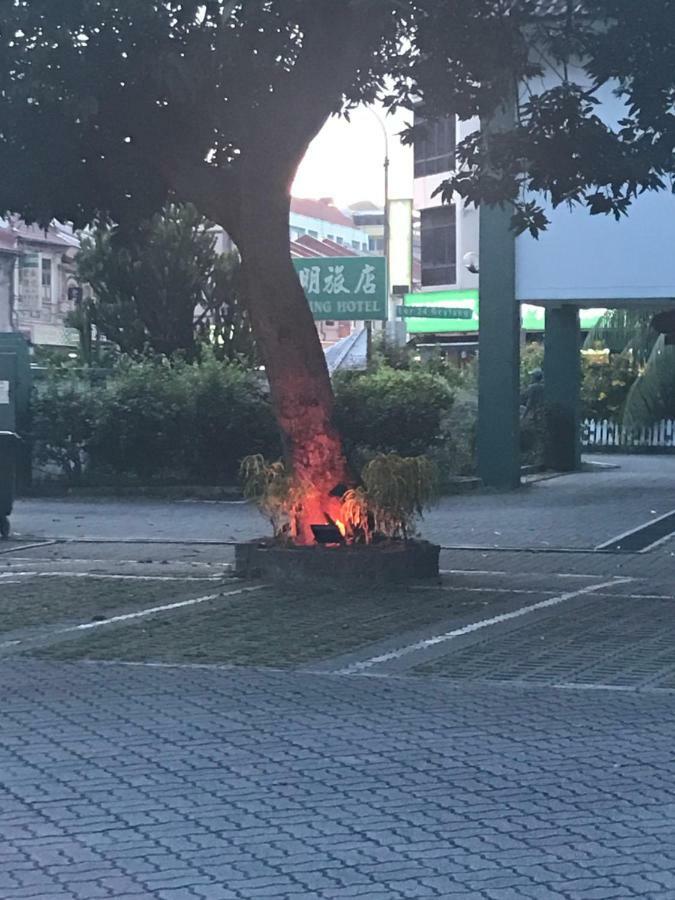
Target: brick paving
532, 759
129, 782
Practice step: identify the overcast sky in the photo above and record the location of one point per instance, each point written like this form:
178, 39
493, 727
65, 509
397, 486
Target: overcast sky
345, 161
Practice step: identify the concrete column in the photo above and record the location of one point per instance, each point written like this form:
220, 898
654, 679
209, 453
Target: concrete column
499, 348
562, 385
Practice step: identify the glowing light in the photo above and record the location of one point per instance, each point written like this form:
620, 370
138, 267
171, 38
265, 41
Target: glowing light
341, 527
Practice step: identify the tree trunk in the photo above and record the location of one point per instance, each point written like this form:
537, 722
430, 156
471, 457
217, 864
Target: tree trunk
301, 391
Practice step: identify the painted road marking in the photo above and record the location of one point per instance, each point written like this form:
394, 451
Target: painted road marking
102, 576
636, 546
7, 550
87, 626
364, 665
503, 573
478, 590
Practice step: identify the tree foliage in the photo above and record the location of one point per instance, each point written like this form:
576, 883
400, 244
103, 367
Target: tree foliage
652, 396
163, 286
627, 331
143, 98
560, 59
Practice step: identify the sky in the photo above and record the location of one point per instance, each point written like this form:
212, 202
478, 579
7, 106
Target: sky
345, 161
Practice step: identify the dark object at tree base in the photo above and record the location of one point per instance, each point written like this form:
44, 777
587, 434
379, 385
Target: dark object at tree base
4, 528
388, 562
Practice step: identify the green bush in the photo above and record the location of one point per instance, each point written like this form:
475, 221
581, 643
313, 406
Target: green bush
154, 421
63, 421
391, 410
229, 418
605, 386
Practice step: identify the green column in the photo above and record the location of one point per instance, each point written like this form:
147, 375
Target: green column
14, 346
562, 383
499, 343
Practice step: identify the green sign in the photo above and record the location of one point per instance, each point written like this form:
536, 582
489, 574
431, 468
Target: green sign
447, 312
434, 312
439, 308
345, 287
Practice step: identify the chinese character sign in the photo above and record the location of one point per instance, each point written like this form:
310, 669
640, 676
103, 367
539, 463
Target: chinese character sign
349, 287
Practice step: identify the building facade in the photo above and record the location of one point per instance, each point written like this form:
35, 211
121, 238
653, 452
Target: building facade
580, 264
323, 221
37, 268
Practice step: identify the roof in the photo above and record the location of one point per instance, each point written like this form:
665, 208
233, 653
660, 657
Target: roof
365, 206
56, 235
323, 248
298, 250
349, 353
8, 242
322, 210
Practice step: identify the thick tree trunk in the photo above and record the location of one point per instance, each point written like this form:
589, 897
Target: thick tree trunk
288, 341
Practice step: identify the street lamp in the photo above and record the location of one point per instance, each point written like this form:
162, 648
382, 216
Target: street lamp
382, 125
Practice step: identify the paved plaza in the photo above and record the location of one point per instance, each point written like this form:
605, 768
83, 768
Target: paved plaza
577, 511
511, 737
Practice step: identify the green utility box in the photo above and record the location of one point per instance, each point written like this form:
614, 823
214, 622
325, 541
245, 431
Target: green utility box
9, 444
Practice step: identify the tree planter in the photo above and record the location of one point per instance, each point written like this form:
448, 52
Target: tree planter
387, 562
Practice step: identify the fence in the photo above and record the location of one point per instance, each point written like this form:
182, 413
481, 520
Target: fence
608, 436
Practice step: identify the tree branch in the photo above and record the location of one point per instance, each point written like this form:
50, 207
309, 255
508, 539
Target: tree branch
213, 191
338, 41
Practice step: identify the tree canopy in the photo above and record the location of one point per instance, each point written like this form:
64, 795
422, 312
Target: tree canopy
165, 287
110, 105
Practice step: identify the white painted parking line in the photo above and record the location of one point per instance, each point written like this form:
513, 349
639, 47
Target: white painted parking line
103, 576
87, 626
10, 549
478, 590
502, 573
470, 572
364, 665
641, 527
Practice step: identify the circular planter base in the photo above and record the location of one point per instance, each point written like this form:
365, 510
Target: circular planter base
391, 562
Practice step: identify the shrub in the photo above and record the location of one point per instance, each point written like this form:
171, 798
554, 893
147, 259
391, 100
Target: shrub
605, 386
63, 421
155, 420
229, 418
391, 410
140, 428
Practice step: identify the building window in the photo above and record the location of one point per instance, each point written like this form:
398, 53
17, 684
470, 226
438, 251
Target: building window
46, 281
439, 250
340, 240
330, 237
356, 245
435, 146
314, 234
368, 219
376, 244
298, 232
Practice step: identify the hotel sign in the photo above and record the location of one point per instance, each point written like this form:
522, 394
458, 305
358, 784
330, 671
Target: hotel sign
345, 287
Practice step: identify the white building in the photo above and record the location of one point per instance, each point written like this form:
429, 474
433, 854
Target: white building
37, 270
581, 262
321, 220
448, 231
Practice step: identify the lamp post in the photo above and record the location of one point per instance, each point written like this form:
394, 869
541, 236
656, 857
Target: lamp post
383, 128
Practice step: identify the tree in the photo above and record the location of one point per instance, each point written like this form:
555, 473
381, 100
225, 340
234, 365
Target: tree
163, 286
473, 56
215, 102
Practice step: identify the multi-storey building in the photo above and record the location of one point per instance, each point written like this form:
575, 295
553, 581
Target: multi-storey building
37, 269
